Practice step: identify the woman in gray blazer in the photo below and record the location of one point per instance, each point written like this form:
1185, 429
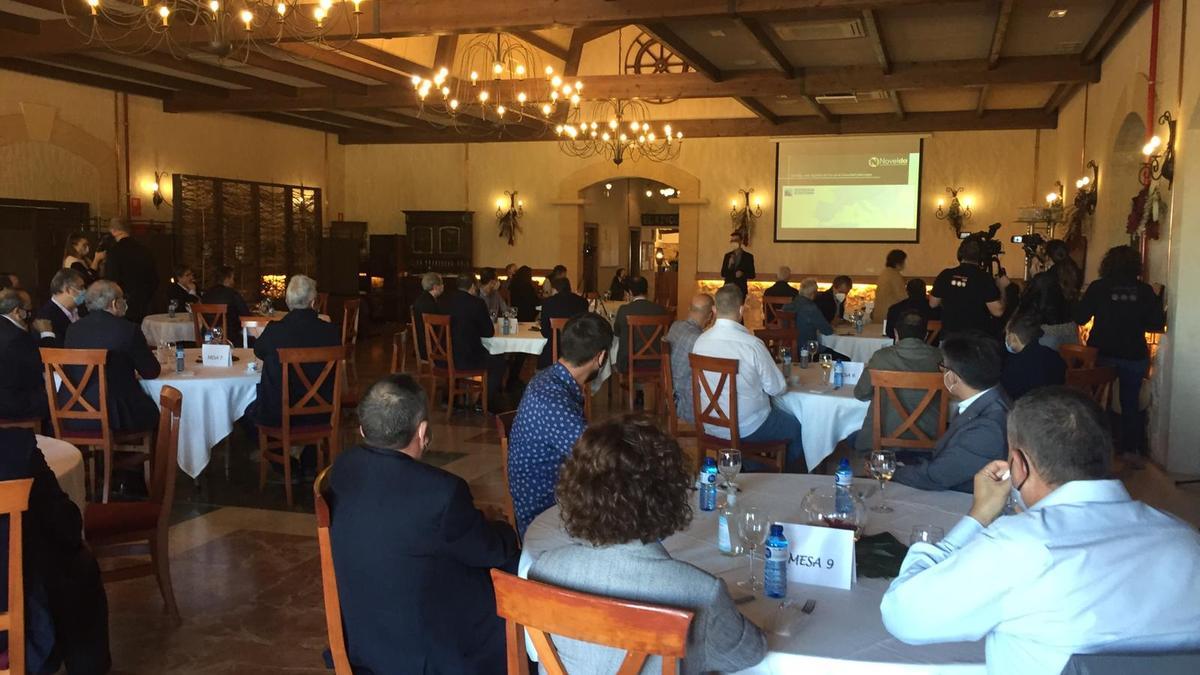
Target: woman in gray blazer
624, 490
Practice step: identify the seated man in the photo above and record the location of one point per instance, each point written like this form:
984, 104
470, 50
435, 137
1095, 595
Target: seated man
972, 365
67, 291
562, 305
832, 302
559, 272
130, 409
413, 554
1030, 364
682, 337
469, 324
489, 290
916, 300
300, 327
428, 302
66, 611
638, 305
811, 323
183, 291
758, 379
781, 288
225, 294
909, 354
550, 417
22, 381
1083, 569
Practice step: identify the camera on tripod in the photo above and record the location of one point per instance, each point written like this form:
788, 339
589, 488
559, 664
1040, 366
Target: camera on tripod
1030, 243
990, 249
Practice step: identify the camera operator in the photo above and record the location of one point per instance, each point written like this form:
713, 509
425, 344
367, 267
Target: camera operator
968, 295
1052, 295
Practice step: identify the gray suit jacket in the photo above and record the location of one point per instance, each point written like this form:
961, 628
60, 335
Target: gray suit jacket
720, 637
975, 437
908, 355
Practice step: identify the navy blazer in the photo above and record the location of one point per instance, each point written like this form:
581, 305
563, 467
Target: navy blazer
413, 558
469, 322
558, 306
298, 328
22, 381
59, 321
131, 265
975, 437
129, 407
1033, 367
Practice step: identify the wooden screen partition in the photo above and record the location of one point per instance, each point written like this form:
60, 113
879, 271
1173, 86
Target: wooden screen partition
257, 228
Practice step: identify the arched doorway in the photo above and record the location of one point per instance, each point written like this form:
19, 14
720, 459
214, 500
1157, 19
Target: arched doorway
1119, 187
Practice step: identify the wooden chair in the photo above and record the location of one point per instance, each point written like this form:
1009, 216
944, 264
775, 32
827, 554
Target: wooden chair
707, 406
771, 308
777, 338
1079, 356
34, 425
674, 426
907, 434
423, 365
121, 529
785, 319
643, 355
322, 303
329, 589
350, 312
542, 610
275, 443
14, 500
209, 317
439, 348
399, 352
504, 423
89, 365
933, 331
1095, 382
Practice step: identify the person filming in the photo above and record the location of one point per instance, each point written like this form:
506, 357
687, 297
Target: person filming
968, 295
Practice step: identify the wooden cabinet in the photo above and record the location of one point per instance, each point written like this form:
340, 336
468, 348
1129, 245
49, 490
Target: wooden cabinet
439, 241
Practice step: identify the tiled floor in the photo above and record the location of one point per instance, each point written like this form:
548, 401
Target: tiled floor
246, 570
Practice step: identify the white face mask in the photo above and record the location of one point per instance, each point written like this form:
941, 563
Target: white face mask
841, 297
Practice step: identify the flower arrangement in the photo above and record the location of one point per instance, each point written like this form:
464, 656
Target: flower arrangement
1145, 214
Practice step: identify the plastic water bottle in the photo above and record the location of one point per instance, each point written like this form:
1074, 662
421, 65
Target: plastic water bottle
805, 357
171, 308
839, 374
208, 337
775, 567
506, 327
858, 322
842, 484
179, 358
708, 485
726, 524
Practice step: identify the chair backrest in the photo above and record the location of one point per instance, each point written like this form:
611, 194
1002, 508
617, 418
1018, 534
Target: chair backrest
87, 365
322, 303
1095, 382
556, 327
331, 361
907, 434
439, 343
166, 452
1079, 356
706, 396
669, 390
785, 319
350, 311
777, 338
14, 500
771, 307
208, 317
504, 423
933, 331
641, 629
333, 603
418, 337
644, 339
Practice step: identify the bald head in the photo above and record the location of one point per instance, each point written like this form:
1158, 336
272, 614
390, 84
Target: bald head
701, 310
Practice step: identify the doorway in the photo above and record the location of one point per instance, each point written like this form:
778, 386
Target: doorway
40, 227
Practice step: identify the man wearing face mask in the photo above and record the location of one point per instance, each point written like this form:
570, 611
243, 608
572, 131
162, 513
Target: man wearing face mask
550, 417
832, 301
1030, 364
738, 266
22, 390
972, 365
67, 293
129, 407
1081, 569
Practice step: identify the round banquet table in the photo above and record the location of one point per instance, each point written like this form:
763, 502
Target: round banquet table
858, 348
845, 633
161, 329
213, 399
826, 415
66, 462
527, 340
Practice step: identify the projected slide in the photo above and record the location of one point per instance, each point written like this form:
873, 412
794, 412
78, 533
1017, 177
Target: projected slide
852, 189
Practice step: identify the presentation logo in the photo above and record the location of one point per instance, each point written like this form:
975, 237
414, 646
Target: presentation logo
876, 162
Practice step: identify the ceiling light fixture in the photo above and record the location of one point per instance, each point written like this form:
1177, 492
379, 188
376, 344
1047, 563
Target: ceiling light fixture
1058, 13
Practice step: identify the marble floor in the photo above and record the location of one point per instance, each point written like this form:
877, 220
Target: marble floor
246, 569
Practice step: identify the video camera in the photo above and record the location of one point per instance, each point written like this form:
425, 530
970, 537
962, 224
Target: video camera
990, 248
1030, 243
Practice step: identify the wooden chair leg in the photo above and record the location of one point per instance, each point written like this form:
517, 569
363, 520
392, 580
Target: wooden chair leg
286, 453
108, 459
262, 460
632, 390
484, 389
452, 389
161, 559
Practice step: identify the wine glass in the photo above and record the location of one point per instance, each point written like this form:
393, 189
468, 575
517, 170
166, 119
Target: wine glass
826, 361
882, 465
752, 527
729, 463
926, 534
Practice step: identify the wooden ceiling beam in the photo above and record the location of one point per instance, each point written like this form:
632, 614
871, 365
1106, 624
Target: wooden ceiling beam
548, 46
689, 54
818, 108
303, 123
755, 106
216, 72
88, 79
20, 24
1061, 95
352, 123
897, 105
1121, 13
877, 44
447, 49
293, 69
579, 38
1000, 31
385, 58
153, 78
768, 46
340, 61
981, 104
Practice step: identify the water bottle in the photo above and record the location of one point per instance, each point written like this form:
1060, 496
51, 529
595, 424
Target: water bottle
858, 322
171, 308
178, 358
506, 326
708, 485
839, 374
775, 567
842, 484
726, 524
785, 355
208, 338
805, 357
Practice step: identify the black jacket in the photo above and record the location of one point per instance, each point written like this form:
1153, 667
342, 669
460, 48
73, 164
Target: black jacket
829, 305
235, 309
1124, 311
526, 299
922, 306
1044, 295
298, 328
181, 297
22, 383
129, 407
617, 289
1034, 367
413, 559
425, 304
131, 265
745, 265
469, 322
781, 289
59, 321
558, 306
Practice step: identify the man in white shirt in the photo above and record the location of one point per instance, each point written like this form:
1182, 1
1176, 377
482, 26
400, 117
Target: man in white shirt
758, 379
1083, 569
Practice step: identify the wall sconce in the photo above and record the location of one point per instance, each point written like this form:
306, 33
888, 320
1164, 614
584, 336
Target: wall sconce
508, 216
1160, 163
957, 212
607, 189
155, 189
668, 192
1085, 197
743, 214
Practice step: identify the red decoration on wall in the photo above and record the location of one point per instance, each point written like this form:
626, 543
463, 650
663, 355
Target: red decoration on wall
135, 207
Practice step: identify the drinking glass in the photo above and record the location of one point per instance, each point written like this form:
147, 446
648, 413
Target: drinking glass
826, 361
752, 527
882, 465
814, 348
217, 337
926, 534
729, 463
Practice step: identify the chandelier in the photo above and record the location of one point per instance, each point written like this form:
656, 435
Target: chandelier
228, 27
498, 80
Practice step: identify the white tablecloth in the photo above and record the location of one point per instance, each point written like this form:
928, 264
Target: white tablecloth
527, 340
826, 415
66, 462
858, 347
213, 399
161, 328
845, 633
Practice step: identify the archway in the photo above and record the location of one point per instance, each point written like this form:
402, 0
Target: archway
1119, 187
39, 125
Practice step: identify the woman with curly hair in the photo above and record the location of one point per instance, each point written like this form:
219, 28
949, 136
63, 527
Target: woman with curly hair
624, 490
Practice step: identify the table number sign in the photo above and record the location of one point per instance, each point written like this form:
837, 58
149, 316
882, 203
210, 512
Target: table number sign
220, 356
851, 372
822, 556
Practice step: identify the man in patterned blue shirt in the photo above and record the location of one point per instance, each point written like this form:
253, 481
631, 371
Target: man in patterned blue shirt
550, 418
